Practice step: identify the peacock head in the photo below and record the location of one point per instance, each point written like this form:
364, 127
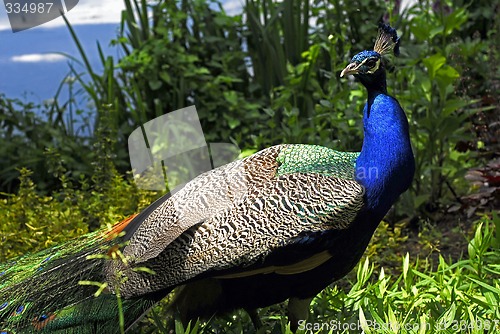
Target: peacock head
367, 66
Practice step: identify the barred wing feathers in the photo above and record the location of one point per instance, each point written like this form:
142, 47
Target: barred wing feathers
279, 206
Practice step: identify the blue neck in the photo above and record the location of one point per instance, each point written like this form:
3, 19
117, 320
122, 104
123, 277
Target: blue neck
385, 166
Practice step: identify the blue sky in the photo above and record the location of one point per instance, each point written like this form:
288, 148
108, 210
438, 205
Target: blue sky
30, 66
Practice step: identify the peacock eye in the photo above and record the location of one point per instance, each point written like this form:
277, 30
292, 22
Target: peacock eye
370, 63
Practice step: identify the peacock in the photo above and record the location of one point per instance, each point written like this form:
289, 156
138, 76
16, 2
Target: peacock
278, 225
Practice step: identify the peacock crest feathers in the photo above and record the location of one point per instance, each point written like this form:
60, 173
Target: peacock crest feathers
387, 40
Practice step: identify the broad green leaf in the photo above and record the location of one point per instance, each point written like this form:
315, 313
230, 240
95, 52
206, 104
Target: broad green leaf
434, 63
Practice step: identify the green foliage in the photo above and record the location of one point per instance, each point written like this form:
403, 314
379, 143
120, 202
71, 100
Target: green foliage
187, 54
28, 130
464, 293
271, 76
427, 89
30, 221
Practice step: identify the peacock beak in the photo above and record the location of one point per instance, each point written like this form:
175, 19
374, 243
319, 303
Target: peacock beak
352, 68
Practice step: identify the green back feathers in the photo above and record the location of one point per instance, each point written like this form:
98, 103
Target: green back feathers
318, 160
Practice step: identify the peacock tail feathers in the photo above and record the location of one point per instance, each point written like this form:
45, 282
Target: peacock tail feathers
55, 289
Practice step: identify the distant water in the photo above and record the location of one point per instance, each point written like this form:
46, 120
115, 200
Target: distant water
38, 81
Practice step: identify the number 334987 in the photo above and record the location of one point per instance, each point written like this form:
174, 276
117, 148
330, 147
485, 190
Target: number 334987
17, 8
